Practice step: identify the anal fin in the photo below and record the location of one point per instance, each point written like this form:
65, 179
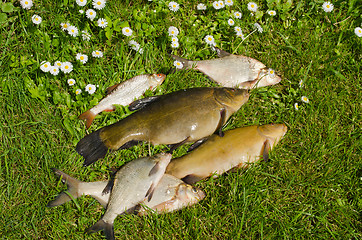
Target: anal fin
191, 179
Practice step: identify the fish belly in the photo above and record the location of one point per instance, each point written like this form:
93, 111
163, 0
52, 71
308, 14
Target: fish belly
228, 72
124, 94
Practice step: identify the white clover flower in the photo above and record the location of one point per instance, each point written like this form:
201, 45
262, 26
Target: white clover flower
231, 22
58, 64
90, 88
99, 4
252, 6
229, 3
66, 67
296, 106
210, 40
78, 91
45, 66
36, 19
173, 6
173, 31
237, 15
258, 27
178, 64
271, 72
65, 26
237, 29
221, 4
71, 82
81, 11
305, 99
54, 70
272, 12
81, 3
82, 58
216, 5
91, 14
127, 31
301, 83
102, 23
175, 44
26, 4
85, 35
73, 31
358, 31
201, 6
97, 54
327, 7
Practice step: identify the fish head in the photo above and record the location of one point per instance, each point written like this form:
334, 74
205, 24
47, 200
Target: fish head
156, 79
189, 195
232, 97
273, 131
267, 77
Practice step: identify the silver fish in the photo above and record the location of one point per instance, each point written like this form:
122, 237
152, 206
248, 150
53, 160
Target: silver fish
123, 94
134, 183
233, 70
170, 194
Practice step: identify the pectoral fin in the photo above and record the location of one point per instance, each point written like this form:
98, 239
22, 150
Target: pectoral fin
221, 122
191, 179
111, 88
221, 53
141, 103
266, 148
197, 144
150, 191
174, 146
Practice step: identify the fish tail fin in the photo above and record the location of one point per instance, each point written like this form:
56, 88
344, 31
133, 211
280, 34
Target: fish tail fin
187, 64
102, 225
92, 148
88, 116
72, 191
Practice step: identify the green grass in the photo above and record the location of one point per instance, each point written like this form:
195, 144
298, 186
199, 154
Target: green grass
310, 188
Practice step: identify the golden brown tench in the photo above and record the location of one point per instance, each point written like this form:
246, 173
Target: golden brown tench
217, 155
175, 118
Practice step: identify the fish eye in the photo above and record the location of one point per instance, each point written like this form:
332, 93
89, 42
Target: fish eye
159, 75
194, 190
272, 124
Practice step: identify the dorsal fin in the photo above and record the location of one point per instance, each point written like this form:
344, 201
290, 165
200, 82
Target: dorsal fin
111, 88
221, 53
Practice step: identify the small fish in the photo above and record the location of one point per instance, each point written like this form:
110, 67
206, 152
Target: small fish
134, 183
236, 149
175, 118
170, 194
233, 70
123, 94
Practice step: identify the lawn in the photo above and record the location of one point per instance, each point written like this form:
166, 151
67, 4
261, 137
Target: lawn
310, 188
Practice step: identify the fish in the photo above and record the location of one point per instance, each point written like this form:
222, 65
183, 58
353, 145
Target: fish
123, 94
170, 194
176, 118
237, 149
134, 183
231, 70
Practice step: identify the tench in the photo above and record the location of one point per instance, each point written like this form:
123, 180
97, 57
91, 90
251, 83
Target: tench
134, 183
175, 118
123, 94
233, 70
217, 155
170, 194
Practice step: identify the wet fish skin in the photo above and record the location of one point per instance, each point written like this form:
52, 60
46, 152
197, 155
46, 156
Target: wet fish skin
124, 94
133, 183
170, 194
233, 70
179, 117
236, 149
